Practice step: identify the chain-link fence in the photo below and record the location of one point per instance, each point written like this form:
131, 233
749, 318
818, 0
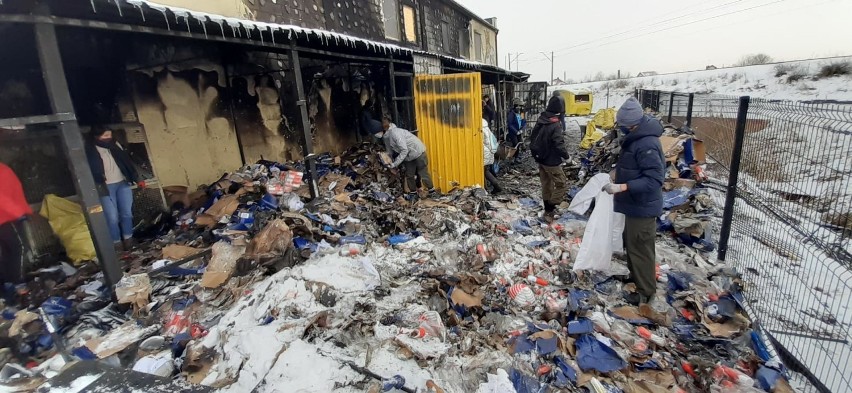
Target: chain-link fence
786, 226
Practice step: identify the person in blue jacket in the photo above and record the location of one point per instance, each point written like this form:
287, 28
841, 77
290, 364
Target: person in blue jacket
513, 123
638, 193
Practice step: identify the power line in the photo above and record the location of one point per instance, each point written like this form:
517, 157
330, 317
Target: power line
638, 28
635, 30
680, 25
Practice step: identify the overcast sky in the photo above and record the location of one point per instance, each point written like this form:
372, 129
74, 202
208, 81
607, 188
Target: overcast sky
641, 35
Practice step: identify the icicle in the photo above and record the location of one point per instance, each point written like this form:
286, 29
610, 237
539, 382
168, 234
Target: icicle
186, 19
166, 15
141, 11
93, 6
261, 35
204, 27
222, 27
119, 8
272, 34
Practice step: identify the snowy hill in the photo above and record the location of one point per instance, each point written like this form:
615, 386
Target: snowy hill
756, 81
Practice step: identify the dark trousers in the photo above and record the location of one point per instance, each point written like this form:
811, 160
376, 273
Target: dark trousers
491, 178
418, 167
554, 186
639, 236
12, 252
512, 138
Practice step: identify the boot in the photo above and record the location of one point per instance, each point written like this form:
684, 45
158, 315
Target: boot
119, 248
129, 243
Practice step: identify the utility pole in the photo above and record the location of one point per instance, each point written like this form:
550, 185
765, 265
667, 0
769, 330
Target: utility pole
551, 57
517, 61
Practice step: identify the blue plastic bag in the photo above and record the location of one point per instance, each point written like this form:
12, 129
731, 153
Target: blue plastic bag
403, 238
767, 378
522, 227
524, 383
581, 326
595, 355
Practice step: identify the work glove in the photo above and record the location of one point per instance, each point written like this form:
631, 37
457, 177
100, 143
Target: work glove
612, 188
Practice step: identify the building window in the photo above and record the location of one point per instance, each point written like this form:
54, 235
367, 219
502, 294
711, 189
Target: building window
409, 22
464, 45
477, 46
445, 36
391, 17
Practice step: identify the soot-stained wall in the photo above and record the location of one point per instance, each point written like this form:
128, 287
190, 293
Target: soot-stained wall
440, 16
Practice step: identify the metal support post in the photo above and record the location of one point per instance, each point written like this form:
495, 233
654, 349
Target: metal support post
671, 108
689, 110
307, 139
226, 65
392, 73
733, 177
60, 102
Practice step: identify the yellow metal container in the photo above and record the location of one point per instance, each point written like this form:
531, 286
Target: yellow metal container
449, 121
577, 103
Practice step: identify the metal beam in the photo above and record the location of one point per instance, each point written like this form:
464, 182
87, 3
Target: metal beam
306, 136
733, 178
60, 101
36, 120
392, 74
122, 27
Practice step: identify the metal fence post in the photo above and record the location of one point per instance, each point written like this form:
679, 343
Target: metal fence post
689, 110
733, 177
671, 107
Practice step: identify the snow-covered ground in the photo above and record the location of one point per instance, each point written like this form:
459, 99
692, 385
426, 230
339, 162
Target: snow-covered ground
755, 81
795, 289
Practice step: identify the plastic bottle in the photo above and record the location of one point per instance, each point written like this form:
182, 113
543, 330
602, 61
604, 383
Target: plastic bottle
538, 280
648, 335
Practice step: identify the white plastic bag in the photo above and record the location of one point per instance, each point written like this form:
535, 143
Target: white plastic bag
603, 232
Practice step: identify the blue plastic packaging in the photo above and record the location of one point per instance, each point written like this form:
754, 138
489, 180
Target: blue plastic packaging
394, 382
354, 239
595, 355
403, 238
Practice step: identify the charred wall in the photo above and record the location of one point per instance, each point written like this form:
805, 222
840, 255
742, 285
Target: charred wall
439, 17
360, 18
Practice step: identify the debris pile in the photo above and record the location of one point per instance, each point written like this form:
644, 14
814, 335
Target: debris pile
254, 285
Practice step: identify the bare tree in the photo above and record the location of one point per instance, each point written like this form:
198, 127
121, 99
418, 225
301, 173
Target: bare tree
755, 59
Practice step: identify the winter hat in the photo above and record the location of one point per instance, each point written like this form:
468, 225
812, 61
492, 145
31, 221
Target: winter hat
555, 105
630, 114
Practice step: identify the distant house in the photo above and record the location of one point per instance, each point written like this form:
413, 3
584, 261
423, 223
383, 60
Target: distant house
710, 67
557, 81
647, 73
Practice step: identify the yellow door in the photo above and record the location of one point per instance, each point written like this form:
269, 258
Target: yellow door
449, 121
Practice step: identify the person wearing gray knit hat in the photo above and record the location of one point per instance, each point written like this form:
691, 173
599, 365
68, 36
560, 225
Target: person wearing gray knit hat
630, 114
637, 193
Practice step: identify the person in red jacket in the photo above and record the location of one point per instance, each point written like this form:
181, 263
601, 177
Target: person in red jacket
13, 210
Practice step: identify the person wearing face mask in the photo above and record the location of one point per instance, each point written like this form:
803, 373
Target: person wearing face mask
114, 174
637, 191
513, 122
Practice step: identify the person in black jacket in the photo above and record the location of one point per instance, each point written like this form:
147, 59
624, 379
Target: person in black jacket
489, 112
114, 174
547, 145
638, 194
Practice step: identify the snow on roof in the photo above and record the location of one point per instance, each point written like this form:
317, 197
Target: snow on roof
293, 31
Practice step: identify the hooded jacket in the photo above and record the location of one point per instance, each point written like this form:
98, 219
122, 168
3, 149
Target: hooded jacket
547, 141
406, 145
13, 204
641, 165
489, 144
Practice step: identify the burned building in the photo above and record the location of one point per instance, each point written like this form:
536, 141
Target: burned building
194, 93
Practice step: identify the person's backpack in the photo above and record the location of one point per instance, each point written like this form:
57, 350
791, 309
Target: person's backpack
538, 144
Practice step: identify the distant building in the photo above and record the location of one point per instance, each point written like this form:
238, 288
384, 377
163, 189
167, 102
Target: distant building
647, 73
710, 67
